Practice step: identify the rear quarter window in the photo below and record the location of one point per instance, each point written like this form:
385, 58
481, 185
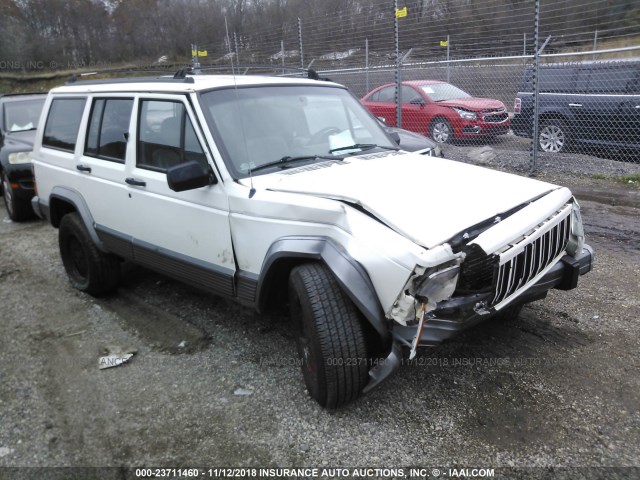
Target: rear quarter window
63, 123
608, 80
551, 80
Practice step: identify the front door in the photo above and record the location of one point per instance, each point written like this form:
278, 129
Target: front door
184, 234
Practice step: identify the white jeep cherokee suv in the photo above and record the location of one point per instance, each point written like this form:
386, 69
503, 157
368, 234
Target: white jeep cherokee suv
276, 191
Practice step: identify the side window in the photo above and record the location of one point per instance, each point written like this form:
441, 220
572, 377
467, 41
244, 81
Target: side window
387, 95
557, 80
633, 85
166, 136
610, 80
63, 123
409, 94
108, 128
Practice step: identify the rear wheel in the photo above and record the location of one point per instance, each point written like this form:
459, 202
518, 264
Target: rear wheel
329, 335
89, 270
17, 208
441, 130
552, 136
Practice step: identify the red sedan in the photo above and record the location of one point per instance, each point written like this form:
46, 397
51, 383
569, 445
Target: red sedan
439, 110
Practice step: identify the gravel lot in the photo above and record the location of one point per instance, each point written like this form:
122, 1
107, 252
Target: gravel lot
213, 384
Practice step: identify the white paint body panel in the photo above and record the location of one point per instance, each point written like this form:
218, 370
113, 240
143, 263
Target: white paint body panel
393, 215
428, 200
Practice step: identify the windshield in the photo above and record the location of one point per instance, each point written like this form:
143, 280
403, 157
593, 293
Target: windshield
440, 92
259, 125
22, 115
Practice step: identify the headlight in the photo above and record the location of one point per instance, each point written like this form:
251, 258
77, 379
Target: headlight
20, 157
437, 286
576, 239
466, 114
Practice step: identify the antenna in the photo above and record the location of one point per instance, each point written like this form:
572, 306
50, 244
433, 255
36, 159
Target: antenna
252, 190
226, 27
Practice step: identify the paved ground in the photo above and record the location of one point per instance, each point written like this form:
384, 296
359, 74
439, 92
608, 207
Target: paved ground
557, 388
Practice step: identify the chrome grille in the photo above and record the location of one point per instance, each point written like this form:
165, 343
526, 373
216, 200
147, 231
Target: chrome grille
522, 263
496, 118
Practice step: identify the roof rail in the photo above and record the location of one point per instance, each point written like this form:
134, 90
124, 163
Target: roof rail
80, 76
310, 73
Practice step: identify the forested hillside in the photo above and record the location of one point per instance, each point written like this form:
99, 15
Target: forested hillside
39, 34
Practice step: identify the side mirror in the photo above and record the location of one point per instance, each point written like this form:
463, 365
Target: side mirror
395, 136
382, 120
418, 101
188, 176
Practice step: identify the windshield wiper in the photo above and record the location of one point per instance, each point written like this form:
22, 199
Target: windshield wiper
362, 147
284, 162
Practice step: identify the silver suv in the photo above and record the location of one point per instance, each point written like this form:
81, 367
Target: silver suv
287, 192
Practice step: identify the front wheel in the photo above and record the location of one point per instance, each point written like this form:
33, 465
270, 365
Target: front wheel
17, 208
441, 130
329, 336
552, 136
89, 270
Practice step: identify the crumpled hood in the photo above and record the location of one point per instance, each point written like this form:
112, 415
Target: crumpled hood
474, 104
20, 139
426, 199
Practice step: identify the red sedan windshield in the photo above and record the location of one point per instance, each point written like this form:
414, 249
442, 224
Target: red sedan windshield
440, 92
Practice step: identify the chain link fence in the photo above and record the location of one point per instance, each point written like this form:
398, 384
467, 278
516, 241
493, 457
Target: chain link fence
474, 73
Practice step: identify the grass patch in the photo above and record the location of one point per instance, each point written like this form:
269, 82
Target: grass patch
633, 178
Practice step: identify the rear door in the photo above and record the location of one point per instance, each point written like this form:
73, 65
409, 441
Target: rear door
630, 111
603, 100
382, 104
106, 144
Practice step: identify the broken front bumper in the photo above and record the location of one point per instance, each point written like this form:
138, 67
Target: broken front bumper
459, 313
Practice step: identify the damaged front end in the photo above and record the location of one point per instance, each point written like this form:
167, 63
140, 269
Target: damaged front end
514, 258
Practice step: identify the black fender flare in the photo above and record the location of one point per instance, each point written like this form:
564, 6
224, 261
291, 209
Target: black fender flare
349, 273
75, 199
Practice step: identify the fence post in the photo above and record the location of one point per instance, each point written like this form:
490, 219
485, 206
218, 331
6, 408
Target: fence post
533, 158
524, 44
366, 61
397, 69
235, 42
448, 64
282, 54
595, 43
300, 42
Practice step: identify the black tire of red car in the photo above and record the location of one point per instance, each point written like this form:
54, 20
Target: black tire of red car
441, 130
552, 135
17, 208
509, 313
89, 270
329, 335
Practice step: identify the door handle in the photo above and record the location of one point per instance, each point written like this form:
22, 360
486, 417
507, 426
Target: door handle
83, 168
137, 183
575, 104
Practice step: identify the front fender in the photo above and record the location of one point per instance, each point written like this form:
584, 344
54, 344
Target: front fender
350, 274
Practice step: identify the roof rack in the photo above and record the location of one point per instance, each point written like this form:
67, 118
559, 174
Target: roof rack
185, 74
310, 73
151, 79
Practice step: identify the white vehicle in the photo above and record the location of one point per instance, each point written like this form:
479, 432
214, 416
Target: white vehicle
276, 191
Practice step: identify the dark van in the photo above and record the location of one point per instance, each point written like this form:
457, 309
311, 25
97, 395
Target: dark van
595, 104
